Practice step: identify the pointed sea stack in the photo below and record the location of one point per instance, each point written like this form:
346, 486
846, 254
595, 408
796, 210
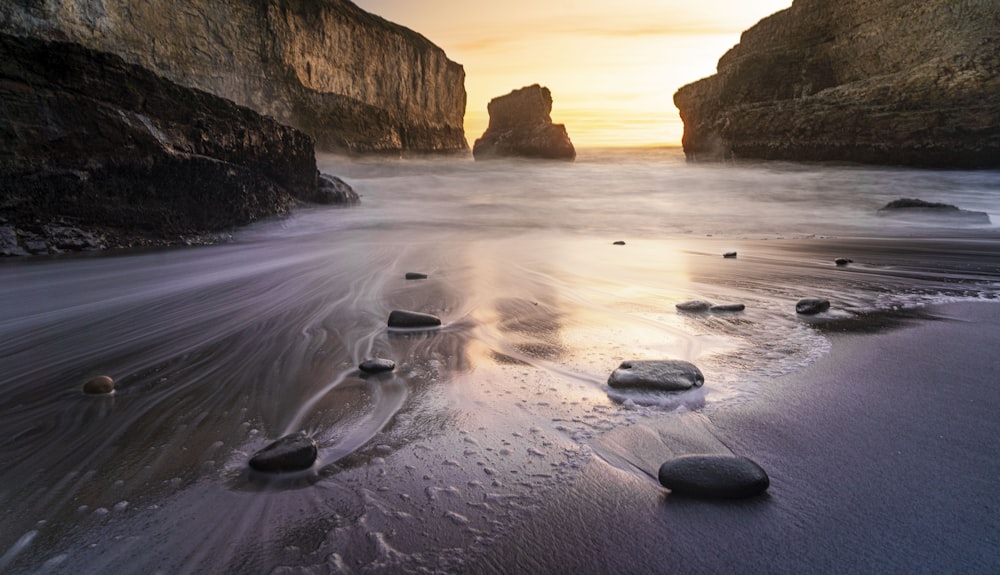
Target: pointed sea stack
520, 126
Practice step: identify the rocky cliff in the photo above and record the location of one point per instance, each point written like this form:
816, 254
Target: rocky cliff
521, 126
352, 80
914, 82
91, 145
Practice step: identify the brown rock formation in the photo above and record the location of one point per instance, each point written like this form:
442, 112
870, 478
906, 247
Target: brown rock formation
520, 126
90, 141
877, 81
352, 80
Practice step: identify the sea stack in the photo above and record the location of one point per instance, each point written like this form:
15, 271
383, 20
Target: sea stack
520, 127
874, 81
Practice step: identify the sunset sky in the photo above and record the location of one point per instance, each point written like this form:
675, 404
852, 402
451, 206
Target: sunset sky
613, 67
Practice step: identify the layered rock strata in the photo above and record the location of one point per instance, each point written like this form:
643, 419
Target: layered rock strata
89, 142
877, 81
353, 81
520, 126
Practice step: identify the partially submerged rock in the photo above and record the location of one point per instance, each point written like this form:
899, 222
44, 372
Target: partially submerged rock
657, 375
729, 255
415, 276
520, 126
841, 262
99, 385
812, 306
290, 453
916, 209
727, 308
714, 476
412, 319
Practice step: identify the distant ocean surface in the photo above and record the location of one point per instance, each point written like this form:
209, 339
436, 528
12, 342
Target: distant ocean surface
219, 350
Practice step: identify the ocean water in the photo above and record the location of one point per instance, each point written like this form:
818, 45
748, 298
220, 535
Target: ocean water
219, 350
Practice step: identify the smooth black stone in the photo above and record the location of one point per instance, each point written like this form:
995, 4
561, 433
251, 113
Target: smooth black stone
99, 385
412, 319
842, 261
377, 365
657, 375
290, 453
694, 306
812, 306
729, 255
415, 276
619, 243
728, 307
721, 476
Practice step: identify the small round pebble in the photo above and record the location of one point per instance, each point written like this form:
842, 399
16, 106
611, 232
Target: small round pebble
101, 384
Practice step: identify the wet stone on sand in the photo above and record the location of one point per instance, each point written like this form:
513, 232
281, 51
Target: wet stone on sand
412, 319
714, 476
657, 375
727, 308
290, 453
812, 306
694, 306
377, 365
415, 276
99, 385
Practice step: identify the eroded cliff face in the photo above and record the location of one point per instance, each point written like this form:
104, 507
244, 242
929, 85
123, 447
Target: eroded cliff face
876, 81
352, 80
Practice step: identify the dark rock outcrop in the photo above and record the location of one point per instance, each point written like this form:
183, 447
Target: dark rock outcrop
92, 146
665, 375
933, 212
714, 476
520, 126
352, 80
875, 81
293, 452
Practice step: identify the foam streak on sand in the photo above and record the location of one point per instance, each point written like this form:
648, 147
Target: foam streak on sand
496, 445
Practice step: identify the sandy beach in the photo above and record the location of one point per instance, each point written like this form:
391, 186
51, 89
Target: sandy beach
882, 458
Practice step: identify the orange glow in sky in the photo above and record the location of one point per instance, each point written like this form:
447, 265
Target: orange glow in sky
613, 67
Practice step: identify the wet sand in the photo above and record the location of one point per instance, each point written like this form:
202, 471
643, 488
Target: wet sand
882, 458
